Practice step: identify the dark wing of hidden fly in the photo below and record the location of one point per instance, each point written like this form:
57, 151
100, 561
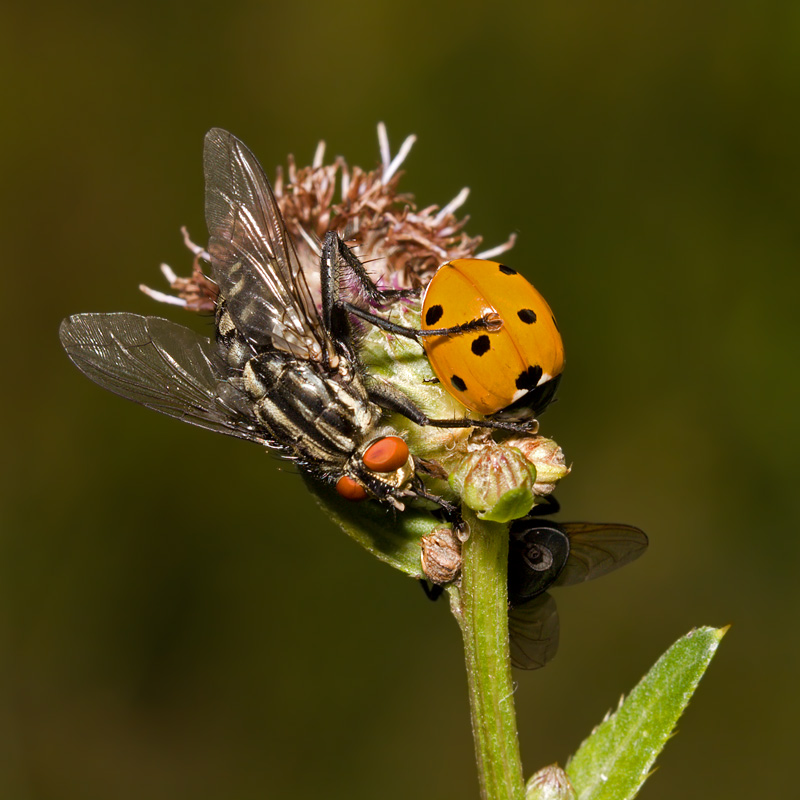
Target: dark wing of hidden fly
533, 632
543, 554
161, 365
253, 258
599, 548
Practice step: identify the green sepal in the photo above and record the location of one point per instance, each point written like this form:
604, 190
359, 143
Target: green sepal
514, 504
496, 482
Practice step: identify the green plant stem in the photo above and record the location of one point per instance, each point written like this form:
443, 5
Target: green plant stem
481, 607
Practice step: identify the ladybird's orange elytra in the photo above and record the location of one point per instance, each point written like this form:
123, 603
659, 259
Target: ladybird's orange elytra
350, 489
386, 455
489, 370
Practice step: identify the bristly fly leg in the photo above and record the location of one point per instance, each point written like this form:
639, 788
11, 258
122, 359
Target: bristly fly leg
334, 257
391, 399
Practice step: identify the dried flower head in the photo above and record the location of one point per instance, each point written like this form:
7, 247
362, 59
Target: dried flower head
401, 244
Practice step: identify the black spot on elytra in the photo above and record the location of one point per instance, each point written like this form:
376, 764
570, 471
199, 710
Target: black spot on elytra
529, 379
506, 270
458, 383
433, 315
527, 315
480, 345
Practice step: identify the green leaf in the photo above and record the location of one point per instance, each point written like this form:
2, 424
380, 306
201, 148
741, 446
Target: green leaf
390, 536
614, 762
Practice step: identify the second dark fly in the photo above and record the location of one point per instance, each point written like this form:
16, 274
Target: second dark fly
544, 554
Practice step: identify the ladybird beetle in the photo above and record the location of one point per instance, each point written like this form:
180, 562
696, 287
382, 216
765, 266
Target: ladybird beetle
518, 365
336, 259
491, 338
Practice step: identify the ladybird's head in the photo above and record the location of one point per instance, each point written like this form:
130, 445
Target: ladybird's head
534, 401
382, 467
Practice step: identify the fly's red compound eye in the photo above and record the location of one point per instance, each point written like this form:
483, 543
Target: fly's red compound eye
386, 455
350, 489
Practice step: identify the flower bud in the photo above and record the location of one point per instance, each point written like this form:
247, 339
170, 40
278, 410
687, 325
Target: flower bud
549, 783
441, 556
547, 457
496, 482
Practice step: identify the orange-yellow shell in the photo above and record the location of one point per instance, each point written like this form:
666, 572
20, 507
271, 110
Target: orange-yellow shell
489, 370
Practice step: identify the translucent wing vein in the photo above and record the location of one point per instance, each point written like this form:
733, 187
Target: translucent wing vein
599, 548
253, 259
158, 364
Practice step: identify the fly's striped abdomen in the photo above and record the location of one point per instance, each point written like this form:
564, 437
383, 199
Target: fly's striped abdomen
321, 419
234, 349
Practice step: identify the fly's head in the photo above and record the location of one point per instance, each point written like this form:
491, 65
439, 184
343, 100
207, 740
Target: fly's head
382, 467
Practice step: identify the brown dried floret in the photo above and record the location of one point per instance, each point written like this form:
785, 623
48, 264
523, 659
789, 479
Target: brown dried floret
440, 556
399, 244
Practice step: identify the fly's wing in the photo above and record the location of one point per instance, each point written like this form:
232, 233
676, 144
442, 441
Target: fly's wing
159, 364
252, 255
533, 632
597, 549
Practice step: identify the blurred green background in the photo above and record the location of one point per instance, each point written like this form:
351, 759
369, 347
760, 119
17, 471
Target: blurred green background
177, 618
